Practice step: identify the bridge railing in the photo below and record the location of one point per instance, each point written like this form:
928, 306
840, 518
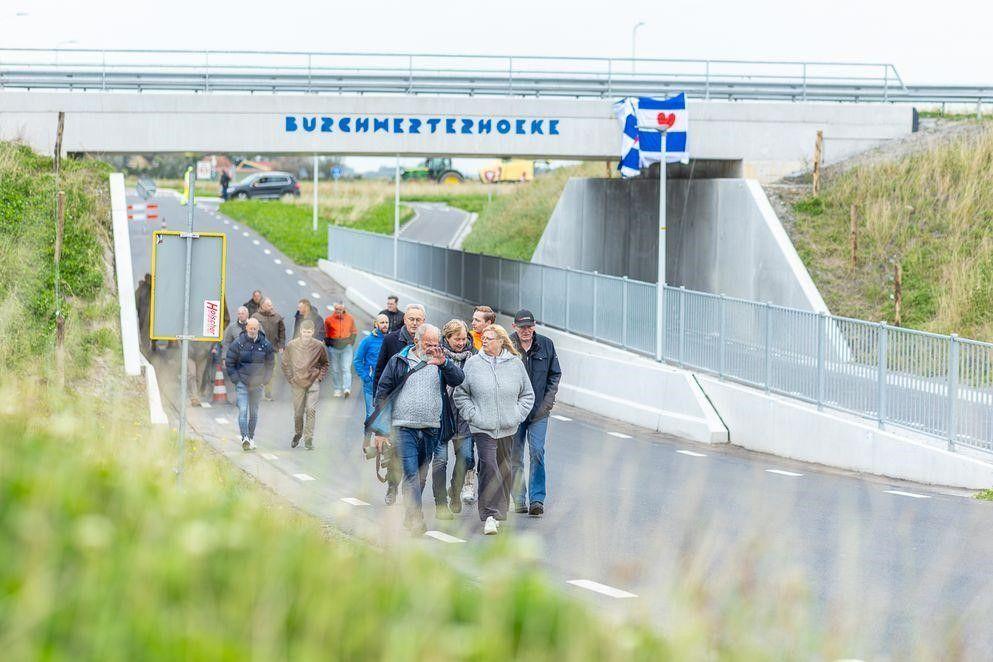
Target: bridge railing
429, 73
936, 384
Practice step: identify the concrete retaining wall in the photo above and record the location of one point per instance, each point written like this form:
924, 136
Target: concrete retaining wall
597, 378
723, 237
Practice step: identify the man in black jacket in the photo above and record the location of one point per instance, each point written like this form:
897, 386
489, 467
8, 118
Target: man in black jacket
249, 363
542, 364
393, 344
393, 313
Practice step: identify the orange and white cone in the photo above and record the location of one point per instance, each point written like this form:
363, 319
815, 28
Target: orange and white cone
220, 391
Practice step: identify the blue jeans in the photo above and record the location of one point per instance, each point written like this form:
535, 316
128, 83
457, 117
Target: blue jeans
464, 461
341, 367
248, 408
534, 433
370, 397
417, 448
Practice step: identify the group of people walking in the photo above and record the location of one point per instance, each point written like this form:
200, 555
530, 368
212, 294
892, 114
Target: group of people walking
487, 391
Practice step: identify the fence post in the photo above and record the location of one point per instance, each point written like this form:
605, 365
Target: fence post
768, 346
479, 283
568, 307
462, 276
499, 282
720, 337
682, 325
624, 311
821, 330
953, 389
881, 351
595, 281
541, 304
520, 268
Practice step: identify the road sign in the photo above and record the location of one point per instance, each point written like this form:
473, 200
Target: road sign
204, 171
336, 172
206, 285
143, 212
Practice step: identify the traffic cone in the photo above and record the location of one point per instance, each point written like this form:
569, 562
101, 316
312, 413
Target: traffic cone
220, 391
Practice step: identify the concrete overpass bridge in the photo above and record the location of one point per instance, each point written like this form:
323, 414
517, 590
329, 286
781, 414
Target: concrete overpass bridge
558, 108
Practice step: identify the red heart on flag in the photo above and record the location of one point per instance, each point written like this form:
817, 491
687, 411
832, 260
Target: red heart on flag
666, 120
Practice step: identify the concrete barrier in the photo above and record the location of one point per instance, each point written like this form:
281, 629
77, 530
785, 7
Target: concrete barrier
596, 377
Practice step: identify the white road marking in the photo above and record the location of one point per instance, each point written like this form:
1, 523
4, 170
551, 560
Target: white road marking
221, 420
907, 494
352, 501
267, 251
303, 478
244, 234
601, 588
277, 261
206, 405
329, 307
270, 456
692, 453
302, 283
557, 417
227, 222
315, 295
619, 435
256, 242
442, 536
235, 227
289, 272
783, 473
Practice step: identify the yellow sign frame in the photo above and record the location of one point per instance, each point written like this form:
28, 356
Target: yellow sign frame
224, 271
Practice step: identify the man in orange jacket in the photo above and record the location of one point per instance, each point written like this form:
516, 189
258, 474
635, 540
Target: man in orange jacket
339, 336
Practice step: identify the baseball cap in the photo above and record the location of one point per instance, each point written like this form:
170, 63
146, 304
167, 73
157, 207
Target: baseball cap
524, 318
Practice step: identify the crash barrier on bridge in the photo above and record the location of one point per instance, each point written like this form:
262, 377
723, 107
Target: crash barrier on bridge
474, 75
937, 384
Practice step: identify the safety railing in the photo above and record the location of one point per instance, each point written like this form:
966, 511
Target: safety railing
445, 74
937, 384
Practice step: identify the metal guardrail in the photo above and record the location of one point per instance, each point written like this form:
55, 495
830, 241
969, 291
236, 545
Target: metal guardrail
936, 384
473, 75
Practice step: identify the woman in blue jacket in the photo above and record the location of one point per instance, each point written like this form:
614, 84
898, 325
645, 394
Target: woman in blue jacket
365, 358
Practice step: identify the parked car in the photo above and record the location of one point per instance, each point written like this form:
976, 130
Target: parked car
264, 185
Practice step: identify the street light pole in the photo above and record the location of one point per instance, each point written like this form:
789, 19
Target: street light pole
316, 170
396, 216
660, 279
634, 35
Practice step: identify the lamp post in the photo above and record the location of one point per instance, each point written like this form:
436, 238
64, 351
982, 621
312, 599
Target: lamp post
634, 36
660, 279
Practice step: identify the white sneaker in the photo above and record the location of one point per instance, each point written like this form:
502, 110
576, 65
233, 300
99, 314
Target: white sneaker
244, 444
251, 443
347, 392
491, 527
468, 494
337, 393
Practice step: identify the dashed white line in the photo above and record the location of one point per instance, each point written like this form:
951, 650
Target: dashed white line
352, 501
907, 494
289, 272
303, 478
557, 417
270, 456
206, 405
603, 589
783, 473
235, 227
244, 234
221, 420
267, 251
256, 242
442, 536
277, 261
227, 222
302, 283
329, 307
692, 453
315, 295
619, 435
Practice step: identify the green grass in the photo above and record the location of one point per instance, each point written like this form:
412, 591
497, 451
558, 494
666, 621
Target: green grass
289, 226
985, 495
933, 213
513, 224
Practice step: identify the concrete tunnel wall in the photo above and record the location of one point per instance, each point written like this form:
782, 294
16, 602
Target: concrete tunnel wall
723, 238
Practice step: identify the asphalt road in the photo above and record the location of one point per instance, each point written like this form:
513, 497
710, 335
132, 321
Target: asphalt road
886, 567
436, 223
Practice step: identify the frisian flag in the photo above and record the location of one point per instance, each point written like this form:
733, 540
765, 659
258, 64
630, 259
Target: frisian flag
641, 148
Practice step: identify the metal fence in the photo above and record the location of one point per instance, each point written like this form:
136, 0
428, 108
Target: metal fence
936, 384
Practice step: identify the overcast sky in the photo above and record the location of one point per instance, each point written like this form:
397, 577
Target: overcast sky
927, 42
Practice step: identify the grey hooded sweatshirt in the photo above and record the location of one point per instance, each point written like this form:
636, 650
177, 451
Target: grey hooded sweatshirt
496, 395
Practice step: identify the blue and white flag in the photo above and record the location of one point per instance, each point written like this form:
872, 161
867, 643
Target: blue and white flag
642, 147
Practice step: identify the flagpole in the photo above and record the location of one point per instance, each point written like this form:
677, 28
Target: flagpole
660, 278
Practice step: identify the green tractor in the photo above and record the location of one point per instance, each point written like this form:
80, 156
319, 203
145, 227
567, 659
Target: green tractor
434, 169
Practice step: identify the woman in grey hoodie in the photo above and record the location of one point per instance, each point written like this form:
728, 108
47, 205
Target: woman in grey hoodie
494, 398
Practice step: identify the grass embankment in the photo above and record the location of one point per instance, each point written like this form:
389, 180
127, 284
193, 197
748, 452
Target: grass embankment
105, 558
931, 212
513, 224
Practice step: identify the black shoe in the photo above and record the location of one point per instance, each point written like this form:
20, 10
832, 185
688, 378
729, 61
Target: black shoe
391, 495
521, 509
537, 509
296, 441
455, 504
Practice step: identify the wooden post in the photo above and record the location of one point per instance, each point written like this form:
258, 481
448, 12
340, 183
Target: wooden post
897, 294
58, 145
607, 164
818, 153
854, 235
59, 317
